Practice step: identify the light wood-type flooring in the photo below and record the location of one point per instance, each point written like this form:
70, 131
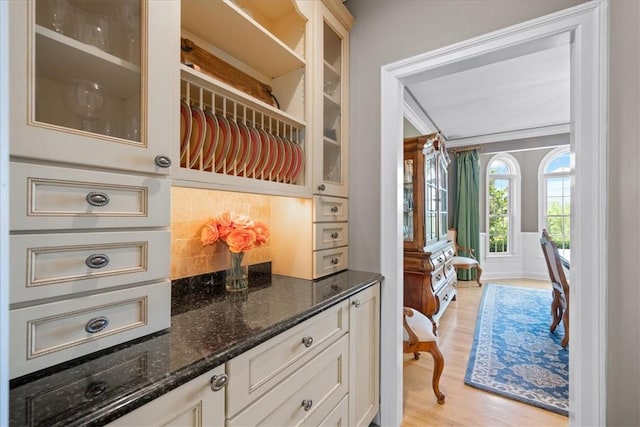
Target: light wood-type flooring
464, 405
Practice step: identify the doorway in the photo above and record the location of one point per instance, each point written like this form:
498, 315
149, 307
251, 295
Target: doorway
587, 26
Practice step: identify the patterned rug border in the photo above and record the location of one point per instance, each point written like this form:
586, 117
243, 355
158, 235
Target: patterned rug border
554, 405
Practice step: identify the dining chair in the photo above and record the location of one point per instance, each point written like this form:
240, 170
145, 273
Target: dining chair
463, 262
419, 335
560, 302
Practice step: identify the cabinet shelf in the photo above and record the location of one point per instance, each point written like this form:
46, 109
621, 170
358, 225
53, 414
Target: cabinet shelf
226, 25
331, 103
60, 57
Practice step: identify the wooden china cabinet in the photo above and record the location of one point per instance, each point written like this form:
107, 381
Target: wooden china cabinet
429, 277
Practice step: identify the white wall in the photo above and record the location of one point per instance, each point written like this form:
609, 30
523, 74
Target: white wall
528, 262
389, 30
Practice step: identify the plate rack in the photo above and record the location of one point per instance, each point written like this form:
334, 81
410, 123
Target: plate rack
228, 133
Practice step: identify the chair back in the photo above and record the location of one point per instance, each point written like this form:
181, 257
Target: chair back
552, 257
452, 235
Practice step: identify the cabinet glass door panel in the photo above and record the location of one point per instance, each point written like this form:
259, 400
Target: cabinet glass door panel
430, 200
408, 202
87, 67
443, 200
332, 110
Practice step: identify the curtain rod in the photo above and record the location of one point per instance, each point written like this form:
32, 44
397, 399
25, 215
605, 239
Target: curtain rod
468, 148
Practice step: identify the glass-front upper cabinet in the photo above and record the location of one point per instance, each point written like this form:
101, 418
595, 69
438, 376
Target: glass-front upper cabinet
92, 82
331, 153
425, 199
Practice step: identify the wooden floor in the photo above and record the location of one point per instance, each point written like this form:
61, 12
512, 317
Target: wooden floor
464, 405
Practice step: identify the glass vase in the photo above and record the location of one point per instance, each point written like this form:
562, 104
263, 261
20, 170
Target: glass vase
237, 276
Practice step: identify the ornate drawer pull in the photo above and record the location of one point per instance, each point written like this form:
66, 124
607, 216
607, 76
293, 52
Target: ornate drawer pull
162, 161
97, 261
95, 389
218, 382
307, 404
334, 209
356, 303
322, 187
335, 261
307, 341
97, 198
334, 235
96, 324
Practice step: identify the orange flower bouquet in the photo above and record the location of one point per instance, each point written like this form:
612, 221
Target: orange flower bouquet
239, 233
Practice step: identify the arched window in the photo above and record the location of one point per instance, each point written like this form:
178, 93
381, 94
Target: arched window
503, 175
555, 197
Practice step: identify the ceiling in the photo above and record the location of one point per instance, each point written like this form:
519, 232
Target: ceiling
523, 93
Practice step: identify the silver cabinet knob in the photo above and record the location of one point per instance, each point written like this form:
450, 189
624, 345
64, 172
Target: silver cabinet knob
334, 209
334, 235
322, 187
96, 324
356, 303
307, 341
162, 161
307, 404
97, 198
218, 382
97, 261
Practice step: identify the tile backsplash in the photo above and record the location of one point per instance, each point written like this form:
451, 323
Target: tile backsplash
190, 209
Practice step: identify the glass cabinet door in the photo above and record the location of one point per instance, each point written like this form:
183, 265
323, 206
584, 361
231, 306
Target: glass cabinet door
430, 199
408, 202
87, 67
443, 201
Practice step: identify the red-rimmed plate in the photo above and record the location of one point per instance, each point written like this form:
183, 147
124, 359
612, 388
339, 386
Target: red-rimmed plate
265, 153
234, 151
196, 141
288, 158
280, 164
210, 139
294, 162
185, 130
256, 148
299, 164
245, 149
274, 154
224, 143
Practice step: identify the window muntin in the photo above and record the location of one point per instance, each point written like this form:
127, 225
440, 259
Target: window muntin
502, 174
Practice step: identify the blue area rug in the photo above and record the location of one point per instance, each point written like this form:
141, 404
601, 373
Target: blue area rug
514, 354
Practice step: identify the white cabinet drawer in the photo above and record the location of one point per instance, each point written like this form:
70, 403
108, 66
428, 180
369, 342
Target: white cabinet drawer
330, 235
260, 369
320, 384
52, 333
338, 417
330, 261
330, 209
49, 197
49, 265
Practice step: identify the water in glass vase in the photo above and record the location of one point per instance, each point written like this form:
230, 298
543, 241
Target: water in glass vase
237, 276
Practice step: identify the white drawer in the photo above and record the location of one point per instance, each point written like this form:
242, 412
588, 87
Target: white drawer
338, 417
437, 259
255, 372
330, 209
47, 334
330, 261
330, 235
322, 383
49, 265
49, 197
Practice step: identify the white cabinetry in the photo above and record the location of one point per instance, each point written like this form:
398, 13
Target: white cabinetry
198, 403
90, 138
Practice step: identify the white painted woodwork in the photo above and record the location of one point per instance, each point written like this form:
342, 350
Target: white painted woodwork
323, 381
52, 333
259, 370
330, 235
193, 404
328, 208
51, 265
338, 417
330, 261
50, 197
155, 82
364, 352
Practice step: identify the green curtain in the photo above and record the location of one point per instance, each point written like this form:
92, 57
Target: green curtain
467, 212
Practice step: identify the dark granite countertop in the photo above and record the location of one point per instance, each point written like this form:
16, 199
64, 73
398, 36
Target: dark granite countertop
209, 326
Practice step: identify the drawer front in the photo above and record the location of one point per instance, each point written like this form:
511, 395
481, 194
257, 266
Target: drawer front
338, 417
330, 261
49, 265
328, 209
320, 384
437, 260
255, 372
328, 235
48, 197
447, 292
47, 334
438, 280
450, 272
448, 253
